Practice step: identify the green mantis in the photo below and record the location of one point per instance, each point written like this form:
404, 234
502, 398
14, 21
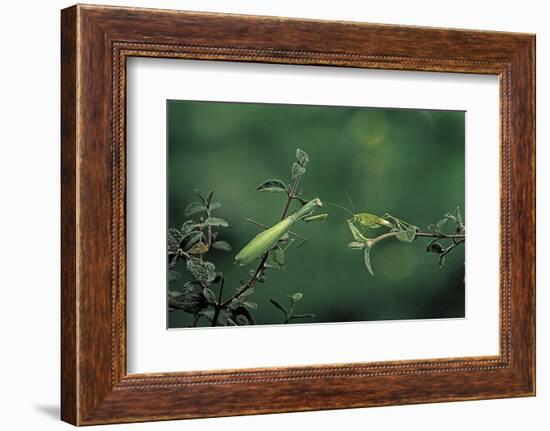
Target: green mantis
269, 238
359, 222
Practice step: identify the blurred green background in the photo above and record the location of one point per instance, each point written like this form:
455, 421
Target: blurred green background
409, 163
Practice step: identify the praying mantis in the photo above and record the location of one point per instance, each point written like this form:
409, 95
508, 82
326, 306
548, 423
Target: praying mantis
403, 231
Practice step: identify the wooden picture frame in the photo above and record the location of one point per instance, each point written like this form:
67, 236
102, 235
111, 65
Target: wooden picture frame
95, 43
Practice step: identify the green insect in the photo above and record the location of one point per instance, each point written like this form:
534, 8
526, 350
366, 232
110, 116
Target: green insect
266, 240
360, 222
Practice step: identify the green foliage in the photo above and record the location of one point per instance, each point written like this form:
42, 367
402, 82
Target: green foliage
405, 232
222, 245
274, 186
289, 311
195, 239
409, 163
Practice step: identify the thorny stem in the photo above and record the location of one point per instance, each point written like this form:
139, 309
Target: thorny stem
262, 265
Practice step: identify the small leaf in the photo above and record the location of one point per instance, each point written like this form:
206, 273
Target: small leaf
209, 198
273, 186
209, 314
222, 245
187, 227
191, 299
297, 170
234, 304
278, 255
195, 238
173, 275
278, 305
434, 247
408, 234
317, 218
301, 157
367, 260
276, 258
251, 305
242, 320
193, 208
201, 195
201, 270
440, 225
216, 221
215, 206
174, 294
209, 295
174, 240
295, 297
458, 216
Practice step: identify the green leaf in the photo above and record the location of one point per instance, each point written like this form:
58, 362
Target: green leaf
242, 320
273, 186
407, 235
234, 304
297, 170
278, 305
458, 215
201, 195
195, 238
173, 275
216, 221
201, 270
251, 305
174, 240
209, 198
301, 157
187, 227
295, 297
174, 294
434, 247
367, 260
317, 218
191, 299
209, 295
193, 208
276, 258
222, 245
440, 225
215, 206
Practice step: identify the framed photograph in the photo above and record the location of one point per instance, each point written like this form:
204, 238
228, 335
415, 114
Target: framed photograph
322, 214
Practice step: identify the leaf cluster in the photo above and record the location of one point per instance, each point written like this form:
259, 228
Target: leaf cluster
449, 232
289, 310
